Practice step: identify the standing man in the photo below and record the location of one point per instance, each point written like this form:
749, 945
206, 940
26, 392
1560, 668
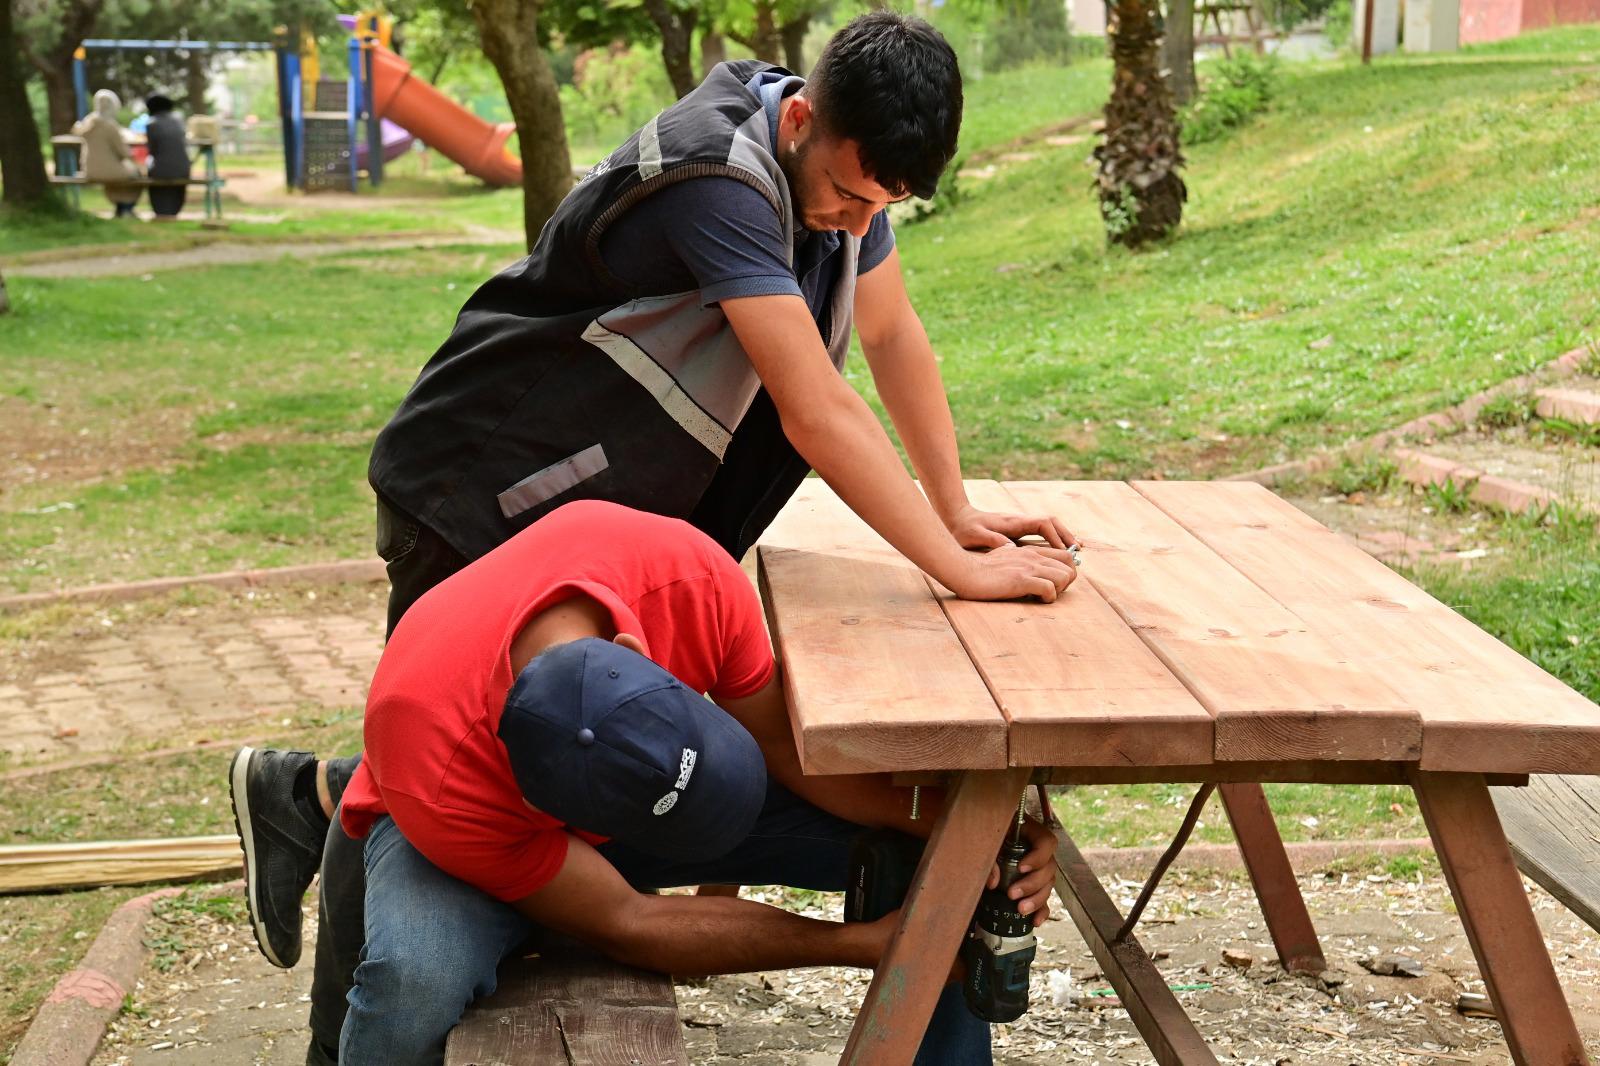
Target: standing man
674, 344
674, 341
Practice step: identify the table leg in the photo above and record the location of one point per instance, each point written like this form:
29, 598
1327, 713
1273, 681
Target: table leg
1500, 925
938, 909
1276, 889
1171, 1036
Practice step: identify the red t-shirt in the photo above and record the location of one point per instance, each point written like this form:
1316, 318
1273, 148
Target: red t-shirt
433, 760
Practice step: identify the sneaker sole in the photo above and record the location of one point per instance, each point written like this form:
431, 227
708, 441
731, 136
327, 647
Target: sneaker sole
239, 794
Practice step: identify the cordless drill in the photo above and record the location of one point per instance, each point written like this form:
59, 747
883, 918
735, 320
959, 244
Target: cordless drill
1000, 946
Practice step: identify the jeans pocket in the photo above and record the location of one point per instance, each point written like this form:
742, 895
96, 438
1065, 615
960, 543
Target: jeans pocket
397, 533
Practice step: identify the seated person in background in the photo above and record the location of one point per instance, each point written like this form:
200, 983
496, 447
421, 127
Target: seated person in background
539, 753
106, 156
169, 157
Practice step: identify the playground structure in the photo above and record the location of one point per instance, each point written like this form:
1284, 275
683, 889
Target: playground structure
334, 130
337, 129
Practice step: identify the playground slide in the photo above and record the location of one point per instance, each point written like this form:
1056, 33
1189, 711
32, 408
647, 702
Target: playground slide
441, 123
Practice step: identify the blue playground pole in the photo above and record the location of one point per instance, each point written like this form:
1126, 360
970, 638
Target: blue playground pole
353, 111
370, 100
297, 121
286, 115
80, 82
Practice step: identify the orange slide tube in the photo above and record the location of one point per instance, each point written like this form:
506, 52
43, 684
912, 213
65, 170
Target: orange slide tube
408, 101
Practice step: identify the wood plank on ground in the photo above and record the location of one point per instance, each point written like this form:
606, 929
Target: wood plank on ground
1277, 691
1553, 826
567, 1004
876, 678
53, 867
1078, 686
1483, 706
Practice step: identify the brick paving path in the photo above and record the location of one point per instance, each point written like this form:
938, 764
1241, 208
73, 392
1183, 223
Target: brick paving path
173, 679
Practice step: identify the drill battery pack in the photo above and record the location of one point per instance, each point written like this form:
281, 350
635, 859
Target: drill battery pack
881, 864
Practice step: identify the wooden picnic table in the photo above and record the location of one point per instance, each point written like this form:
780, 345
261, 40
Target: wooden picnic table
1215, 634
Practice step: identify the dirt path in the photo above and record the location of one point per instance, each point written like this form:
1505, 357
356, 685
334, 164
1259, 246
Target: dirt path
224, 253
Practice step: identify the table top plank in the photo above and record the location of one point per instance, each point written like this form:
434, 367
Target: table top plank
1484, 707
1277, 690
1082, 688
876, 678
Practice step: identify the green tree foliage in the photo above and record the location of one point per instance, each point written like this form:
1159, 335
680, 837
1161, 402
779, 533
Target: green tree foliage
1000, 34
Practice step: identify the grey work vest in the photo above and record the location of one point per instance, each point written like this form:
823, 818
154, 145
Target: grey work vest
558, 383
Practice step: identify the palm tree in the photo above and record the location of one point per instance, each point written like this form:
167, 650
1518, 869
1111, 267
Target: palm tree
1141, 193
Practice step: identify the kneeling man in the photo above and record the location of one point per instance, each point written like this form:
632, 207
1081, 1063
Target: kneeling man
538, 751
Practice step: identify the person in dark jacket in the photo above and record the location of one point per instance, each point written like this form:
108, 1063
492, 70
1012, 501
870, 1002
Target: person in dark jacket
169, 157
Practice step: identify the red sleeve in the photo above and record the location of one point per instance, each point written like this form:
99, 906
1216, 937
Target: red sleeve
506, 858
746, 661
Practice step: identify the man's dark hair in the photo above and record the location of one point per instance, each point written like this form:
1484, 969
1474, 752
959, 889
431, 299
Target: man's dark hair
890, 82
157, 104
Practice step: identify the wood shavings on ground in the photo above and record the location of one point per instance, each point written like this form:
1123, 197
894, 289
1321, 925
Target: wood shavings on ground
217, 1001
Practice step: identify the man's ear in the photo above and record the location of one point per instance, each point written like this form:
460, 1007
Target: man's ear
797, 117
629, 641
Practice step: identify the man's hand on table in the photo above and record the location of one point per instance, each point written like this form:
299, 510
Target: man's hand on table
973, 528
1037, 870
1012, 572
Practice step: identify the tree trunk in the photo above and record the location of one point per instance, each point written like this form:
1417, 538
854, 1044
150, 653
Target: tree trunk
75, 19
21, 160
794, 43
5, 301
61, 101
765, 42
1177, 51
197, 78
509, 30
713, 50
677, 35
1141, 194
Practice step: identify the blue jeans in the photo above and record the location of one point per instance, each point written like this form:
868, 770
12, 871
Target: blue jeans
433, 943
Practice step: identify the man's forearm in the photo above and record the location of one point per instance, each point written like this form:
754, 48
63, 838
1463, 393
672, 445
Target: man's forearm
848, 447
912, 390
712, 935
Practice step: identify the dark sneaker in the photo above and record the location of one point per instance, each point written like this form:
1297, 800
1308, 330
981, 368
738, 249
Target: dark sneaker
282, 843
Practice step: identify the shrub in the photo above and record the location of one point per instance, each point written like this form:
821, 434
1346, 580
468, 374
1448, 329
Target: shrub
1232, 92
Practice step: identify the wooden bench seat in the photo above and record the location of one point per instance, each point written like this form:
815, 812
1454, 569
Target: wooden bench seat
561, 1004
143, 183
1553, 826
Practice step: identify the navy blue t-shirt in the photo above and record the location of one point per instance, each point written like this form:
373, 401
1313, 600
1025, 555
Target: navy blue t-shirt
722, 237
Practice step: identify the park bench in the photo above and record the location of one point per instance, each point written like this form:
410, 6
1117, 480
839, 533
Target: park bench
560, 1002
68, 149
1553, 826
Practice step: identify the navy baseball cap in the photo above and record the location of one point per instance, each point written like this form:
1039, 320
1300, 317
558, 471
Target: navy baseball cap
607, 741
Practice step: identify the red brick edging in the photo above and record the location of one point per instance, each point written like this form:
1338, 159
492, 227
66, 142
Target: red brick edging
348, 570
1450, 418
69, 1024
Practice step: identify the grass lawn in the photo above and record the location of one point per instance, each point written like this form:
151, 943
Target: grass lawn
1385, 241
